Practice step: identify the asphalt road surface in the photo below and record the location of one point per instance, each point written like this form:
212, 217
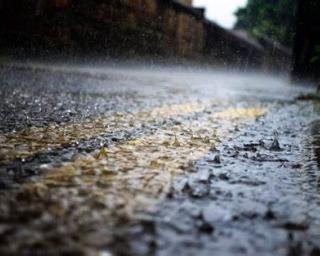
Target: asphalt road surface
145, 160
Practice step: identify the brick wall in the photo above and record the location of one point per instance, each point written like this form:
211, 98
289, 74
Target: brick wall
155, 27
185, 2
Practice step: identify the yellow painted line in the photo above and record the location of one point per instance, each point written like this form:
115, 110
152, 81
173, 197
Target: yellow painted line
23, 144
133, 175
239, 113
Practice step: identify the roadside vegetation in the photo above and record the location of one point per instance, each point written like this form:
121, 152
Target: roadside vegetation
270, 18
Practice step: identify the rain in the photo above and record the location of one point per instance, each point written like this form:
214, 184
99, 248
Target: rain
157, 128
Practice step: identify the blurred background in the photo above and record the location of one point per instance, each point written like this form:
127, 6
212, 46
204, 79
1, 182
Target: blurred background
270, 35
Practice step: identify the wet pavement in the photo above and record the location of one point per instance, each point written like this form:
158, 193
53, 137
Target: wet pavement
137, 160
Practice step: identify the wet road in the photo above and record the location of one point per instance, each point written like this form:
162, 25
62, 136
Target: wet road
136, 160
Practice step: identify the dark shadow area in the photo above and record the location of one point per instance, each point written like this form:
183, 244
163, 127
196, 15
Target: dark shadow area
307, 41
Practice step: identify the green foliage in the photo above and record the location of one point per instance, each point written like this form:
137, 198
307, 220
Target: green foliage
271, 18
316, 55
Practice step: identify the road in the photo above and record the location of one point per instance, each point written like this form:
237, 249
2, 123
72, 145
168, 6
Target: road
156, 160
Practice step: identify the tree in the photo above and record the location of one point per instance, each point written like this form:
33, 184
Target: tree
271, 18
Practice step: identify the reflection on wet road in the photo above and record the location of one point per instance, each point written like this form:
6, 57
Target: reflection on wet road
103, 161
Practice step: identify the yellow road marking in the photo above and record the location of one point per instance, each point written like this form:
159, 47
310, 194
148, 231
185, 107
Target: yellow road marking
129, 176
23, 144
239, 113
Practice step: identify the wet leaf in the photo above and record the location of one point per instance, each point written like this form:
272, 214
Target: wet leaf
103, 154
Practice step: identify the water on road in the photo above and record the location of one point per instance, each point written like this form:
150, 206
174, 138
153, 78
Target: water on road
137, 160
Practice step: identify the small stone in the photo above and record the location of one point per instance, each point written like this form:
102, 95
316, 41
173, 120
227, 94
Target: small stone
206, 227
217, 159
269, 215
224, 176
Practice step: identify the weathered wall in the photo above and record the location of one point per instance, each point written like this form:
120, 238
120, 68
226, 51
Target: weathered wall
109, 26
185, 2
228, 49
157, 28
